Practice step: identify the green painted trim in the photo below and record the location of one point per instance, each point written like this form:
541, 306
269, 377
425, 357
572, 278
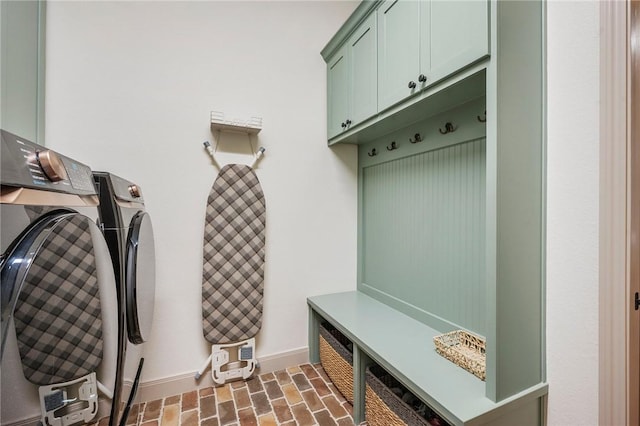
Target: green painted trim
543, 207
520, 313
42, 31
314, 333
357, 17
360, 363
515, 200
4, 36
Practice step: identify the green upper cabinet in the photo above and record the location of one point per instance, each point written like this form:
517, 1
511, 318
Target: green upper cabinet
337, 92
422, 42
352, 80
398, 51
395, 58
363, 51
457, 34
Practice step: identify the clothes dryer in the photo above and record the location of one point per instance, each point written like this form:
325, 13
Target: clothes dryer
129, 235
59, 306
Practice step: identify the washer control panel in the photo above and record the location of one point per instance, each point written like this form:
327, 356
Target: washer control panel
27, 164
123, 189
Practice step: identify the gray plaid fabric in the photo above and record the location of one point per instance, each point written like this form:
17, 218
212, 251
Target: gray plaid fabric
233, 273
58, 316
34, 212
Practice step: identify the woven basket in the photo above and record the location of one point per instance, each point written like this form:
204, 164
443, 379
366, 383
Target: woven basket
337, 360
384, 408
463, 349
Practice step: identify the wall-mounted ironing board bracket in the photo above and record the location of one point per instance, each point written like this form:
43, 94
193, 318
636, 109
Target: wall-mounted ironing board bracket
225, 368
68, 403
219, 124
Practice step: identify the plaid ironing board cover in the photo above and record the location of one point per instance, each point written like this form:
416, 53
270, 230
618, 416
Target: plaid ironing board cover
58, 314
233, 270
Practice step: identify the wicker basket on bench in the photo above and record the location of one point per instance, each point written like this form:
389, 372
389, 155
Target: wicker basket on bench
463, 349
387, 403
337, 359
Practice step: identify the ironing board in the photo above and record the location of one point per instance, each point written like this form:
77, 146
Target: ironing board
233, 270
59, 325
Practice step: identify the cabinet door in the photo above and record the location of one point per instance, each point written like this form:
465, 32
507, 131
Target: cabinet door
337, 92
459, 35
398, 51
363, 77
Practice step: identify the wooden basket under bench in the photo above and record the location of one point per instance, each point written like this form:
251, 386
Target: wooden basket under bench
337, 359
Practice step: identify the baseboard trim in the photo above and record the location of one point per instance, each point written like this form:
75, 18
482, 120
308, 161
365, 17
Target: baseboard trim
32, 421
169, 386
104, 409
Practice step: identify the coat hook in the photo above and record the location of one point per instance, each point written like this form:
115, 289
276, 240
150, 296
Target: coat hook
416, 138
392, 147
482, 120
448, 128
373, 153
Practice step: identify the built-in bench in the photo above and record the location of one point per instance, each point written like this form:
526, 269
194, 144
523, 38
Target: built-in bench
404, 347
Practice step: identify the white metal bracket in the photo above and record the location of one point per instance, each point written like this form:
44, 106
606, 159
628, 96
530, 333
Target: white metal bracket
220, 124
224, 367
69, 403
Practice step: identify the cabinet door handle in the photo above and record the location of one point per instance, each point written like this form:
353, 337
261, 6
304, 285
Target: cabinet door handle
412, 85
348, 122
422, 78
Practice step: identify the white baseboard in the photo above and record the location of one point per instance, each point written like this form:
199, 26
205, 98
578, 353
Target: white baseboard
169, 386
32, 421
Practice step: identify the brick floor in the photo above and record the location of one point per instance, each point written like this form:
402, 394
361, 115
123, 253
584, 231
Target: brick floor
300, 395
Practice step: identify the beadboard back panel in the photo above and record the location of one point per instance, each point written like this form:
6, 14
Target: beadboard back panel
423, 234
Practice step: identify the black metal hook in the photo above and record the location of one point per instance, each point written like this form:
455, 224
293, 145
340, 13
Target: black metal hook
392, 147
416, 138
448, 128
373, 153
482, 120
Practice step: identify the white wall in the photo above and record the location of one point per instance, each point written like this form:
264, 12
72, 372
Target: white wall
572, 213
129, 89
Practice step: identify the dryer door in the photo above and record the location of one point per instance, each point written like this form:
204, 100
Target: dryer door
140, 273
51, 288
59, 307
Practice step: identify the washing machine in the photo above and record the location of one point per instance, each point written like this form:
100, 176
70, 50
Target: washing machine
59, 317
129, 234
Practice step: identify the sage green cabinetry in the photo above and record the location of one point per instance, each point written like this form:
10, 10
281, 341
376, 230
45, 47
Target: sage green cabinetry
22, 24
399, 50
422, 42
451, 224
351, 80
337, 92
458, 36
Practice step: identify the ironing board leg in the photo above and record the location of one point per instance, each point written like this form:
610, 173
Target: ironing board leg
204, 367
